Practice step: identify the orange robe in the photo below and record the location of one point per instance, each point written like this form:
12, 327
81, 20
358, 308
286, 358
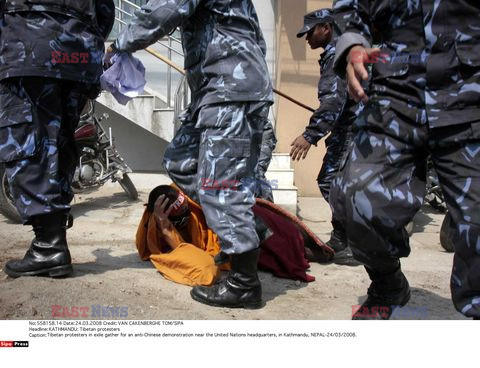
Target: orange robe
189, 263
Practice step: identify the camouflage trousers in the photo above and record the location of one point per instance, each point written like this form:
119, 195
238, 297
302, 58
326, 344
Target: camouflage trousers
382, 186
37, 125
337, 144
231, 145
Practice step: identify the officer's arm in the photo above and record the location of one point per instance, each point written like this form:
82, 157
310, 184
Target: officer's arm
353, 19
105, 10
153, 21
332, 96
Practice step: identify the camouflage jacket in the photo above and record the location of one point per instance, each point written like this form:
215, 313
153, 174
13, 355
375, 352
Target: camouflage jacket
222, 41
336, 109
439, 41
53, 45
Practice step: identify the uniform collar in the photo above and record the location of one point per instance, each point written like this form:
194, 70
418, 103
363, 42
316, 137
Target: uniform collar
330, 48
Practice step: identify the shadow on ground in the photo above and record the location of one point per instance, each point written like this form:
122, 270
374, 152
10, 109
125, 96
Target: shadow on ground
424, 217
105, 262
89, 204
420, 307
274, 287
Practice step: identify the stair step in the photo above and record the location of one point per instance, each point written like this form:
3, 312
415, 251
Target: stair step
280, 177
286, 198
280, 161
146, 112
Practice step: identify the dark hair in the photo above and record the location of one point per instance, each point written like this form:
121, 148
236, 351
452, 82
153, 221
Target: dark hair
179, 216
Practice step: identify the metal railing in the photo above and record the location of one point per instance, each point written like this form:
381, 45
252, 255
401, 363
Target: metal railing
180, 102
168, 46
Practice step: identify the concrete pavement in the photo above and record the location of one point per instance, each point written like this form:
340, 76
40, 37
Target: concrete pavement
108, 271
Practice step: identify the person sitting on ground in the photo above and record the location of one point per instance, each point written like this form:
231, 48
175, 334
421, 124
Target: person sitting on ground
173, 234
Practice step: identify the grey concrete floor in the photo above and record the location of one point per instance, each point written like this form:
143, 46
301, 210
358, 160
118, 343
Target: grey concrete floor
108, 271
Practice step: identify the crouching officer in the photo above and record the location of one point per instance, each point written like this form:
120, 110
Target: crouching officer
50, 64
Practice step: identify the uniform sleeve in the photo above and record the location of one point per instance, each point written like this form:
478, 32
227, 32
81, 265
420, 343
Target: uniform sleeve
269, 141
332, 95
353, 19
153, 21
105, 10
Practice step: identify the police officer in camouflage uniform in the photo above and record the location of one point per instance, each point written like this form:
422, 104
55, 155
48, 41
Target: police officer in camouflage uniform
222, 129
335, 114
50, 61
416, 107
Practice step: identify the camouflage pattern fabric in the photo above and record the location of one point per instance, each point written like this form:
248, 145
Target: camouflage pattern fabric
222, 41
37, 126
337, 144
221, 135
41, 97
223, 143
445, 81
415, 109
336, 108
263, 189
335, 114
53, 45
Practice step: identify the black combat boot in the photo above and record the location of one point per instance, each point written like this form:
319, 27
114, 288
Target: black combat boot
338, 242
240, 289
221, 258
388, 290
48, 254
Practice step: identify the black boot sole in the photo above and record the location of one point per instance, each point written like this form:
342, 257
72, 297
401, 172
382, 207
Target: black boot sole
251, 305
345, 258
58, 271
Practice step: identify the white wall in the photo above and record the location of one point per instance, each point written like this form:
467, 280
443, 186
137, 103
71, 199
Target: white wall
266, 10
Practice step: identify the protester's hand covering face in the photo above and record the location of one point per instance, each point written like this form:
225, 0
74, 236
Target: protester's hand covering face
161, 211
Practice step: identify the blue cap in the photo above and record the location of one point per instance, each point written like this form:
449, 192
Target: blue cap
316, 17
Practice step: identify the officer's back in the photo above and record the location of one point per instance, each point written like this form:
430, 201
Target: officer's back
54, 38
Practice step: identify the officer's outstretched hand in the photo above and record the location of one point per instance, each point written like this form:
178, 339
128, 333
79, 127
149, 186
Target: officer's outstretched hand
356, 71
300, 148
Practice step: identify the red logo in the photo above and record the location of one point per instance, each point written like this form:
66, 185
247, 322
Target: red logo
59, 311
358, 311
13, 344
59, 57
373, 58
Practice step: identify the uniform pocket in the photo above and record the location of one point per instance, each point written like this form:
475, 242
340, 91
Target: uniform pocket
468, 54
227, 161
18, 135
386, 69
468, 50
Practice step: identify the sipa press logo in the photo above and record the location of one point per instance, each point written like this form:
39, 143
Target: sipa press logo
13, 344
